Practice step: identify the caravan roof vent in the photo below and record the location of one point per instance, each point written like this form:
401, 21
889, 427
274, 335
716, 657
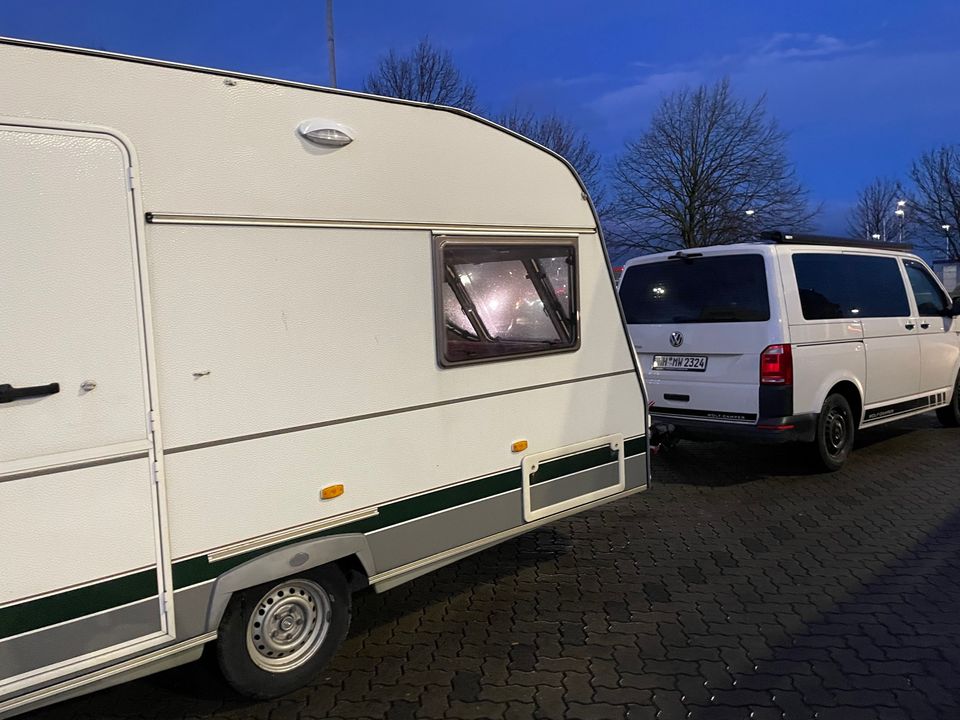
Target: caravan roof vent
325, 132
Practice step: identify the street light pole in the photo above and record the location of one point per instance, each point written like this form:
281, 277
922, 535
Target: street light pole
946, 231
332, 54
899, 212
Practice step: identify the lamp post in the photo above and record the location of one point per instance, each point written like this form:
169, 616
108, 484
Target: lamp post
946, 231
899, 212
750, 214
331, 51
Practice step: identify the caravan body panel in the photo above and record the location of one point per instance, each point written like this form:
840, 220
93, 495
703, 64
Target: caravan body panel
280, 326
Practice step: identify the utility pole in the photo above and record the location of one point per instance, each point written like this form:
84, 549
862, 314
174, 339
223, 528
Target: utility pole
330, 46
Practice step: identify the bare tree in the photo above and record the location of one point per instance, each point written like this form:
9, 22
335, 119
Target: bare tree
561, 136
426, 74
710, 169
935, 201
873, 217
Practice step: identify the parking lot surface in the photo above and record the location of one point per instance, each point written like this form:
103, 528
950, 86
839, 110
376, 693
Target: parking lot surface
742, 585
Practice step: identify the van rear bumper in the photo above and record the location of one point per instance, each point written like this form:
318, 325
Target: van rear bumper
792, 428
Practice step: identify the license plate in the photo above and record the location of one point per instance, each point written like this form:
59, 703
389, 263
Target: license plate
690, 363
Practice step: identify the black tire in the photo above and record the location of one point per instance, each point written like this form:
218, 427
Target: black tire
836, 427
949, 415
307, 615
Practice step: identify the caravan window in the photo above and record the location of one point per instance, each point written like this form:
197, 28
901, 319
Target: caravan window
504, 299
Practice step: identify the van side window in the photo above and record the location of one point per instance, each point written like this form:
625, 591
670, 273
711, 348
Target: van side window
833, 286
926, 291
505, 299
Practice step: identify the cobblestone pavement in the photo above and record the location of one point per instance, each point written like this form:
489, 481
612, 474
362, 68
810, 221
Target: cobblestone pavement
743, 585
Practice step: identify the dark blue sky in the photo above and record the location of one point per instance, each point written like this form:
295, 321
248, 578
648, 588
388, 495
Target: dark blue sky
862, 87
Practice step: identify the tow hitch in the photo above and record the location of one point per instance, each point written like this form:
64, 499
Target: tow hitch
663, 437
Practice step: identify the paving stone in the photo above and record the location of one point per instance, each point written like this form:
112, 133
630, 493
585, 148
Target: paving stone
740, 586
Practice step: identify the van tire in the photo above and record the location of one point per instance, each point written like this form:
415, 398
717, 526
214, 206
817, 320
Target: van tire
949, 415
308, 616
835, 431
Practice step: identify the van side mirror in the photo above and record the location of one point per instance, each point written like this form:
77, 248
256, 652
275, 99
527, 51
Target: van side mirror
954, 310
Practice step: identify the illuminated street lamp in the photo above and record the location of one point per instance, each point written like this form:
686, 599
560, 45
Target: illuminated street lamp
900, 212
876, 236
750, 214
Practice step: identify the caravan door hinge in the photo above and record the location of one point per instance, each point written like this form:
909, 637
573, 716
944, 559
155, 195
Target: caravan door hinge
130, 177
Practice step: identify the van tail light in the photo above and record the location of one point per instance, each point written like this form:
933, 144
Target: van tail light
776, 365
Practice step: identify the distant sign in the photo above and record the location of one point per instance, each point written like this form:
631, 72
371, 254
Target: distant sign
949, 273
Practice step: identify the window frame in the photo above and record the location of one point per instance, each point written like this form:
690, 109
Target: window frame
842, 255
768, 287
909, 263
443, 241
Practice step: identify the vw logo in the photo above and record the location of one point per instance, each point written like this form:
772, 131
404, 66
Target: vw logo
676, 339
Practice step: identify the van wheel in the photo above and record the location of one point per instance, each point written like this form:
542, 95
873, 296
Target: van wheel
835, 430
949, 415
275, 638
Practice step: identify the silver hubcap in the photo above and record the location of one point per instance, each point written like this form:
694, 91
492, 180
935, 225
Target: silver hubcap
288, 625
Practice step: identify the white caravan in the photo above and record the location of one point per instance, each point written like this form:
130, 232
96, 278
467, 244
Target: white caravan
264, 343
800, 338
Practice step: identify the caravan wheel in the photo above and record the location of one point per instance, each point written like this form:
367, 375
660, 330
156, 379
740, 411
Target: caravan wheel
276, 637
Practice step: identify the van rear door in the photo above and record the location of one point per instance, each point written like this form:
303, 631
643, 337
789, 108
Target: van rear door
699, 323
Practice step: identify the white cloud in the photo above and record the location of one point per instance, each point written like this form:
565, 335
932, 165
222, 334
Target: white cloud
591, 79
802, 46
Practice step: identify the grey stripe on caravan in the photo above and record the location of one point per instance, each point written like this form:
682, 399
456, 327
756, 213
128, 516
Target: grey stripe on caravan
570, 486
72, 639
75, 466
385, 413
417, 538
110, 674
55, 644
162, 218
397, 576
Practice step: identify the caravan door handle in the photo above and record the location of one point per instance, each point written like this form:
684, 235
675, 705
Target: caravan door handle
909, 326
924, 326
8, 393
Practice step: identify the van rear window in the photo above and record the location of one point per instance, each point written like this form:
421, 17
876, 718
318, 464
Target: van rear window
721, 288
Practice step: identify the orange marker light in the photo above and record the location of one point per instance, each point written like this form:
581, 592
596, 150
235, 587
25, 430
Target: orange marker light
519, 446
331, 491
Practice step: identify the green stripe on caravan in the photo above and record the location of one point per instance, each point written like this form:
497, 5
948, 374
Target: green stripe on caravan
72, 604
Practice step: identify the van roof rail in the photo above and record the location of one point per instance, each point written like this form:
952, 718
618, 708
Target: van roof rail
783, 238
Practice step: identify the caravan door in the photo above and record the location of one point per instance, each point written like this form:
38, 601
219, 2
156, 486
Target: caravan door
81, 561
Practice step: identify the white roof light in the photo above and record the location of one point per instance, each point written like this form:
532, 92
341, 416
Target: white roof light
325, 132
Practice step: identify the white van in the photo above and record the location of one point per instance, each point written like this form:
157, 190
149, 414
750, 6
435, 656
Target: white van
797, 338
265, 343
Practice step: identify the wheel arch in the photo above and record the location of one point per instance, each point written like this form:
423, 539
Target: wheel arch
350, 553
852, 393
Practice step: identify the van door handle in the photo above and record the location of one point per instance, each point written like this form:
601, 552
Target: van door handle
909, 326
924, 326
8, 393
